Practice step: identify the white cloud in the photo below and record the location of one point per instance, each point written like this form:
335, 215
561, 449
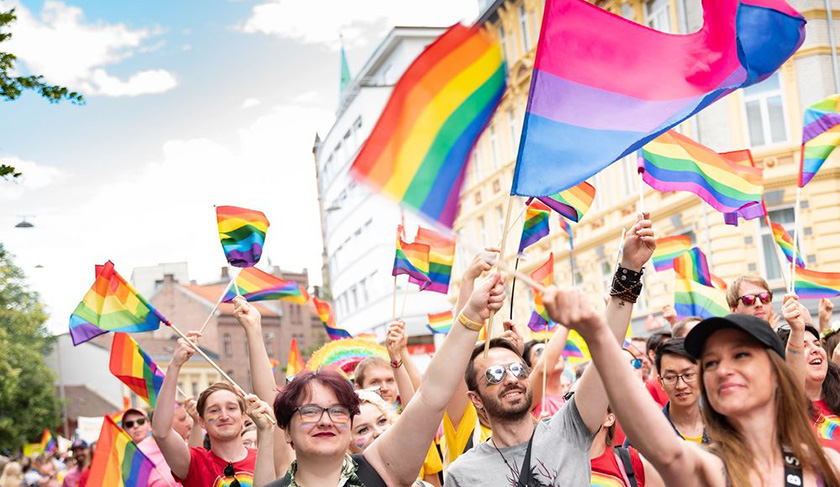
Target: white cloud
33, 177
67, 50
359, 22
250, 102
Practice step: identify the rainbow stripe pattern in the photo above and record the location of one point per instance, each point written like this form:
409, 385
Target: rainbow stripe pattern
544, 275
603, 87
112, 304
440, 322
815, 285
668, 249
418, 150
242, 232
325, 312
244, 479
411, 259
48, 443
535, 226
828, 427
295, 364
598, 479
117, 461
673, 162
441, 257
572, 203
693, 265
344, 354
785, 242
567, 229
576, 350
694, 299
820, 136
130, 364
257, 285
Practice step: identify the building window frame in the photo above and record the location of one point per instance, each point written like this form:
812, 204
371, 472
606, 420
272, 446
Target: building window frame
524, 26
762, 98
227, 345
657, 15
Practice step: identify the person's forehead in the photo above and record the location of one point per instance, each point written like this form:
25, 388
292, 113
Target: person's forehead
498, 356
750, 288
317, 393
379, 372
221, 397
676, 362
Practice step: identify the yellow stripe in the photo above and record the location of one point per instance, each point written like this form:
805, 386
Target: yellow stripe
715, 173
830, 137
426, 127
234, 223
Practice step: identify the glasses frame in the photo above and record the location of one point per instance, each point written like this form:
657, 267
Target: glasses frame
523, 374
327, 410
130, 423
756, 297
677, 378
636, 363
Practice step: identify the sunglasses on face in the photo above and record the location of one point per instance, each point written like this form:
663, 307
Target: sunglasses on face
130, 424
496, 373
312, 413
231, 472
750, 299
636, 363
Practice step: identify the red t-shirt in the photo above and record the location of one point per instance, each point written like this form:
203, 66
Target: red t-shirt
207, 470
827, 426
618, 435
605, 469
656, 391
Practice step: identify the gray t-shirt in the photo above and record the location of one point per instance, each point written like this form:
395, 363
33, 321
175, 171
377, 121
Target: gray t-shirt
559, 457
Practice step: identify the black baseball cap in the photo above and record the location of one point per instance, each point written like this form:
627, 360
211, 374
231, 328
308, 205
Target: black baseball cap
757, 328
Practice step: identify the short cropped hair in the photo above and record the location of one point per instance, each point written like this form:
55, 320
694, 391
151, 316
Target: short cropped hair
733, 289
366, 363
290, 397
673, 347
526, 352
655, 341
679, 328
498, 342
218, 386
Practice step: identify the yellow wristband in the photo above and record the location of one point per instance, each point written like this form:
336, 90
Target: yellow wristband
469, 324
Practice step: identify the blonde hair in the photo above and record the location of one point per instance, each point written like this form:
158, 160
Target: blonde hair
12, 475
792, 425
734, 288
373, 398
366, 363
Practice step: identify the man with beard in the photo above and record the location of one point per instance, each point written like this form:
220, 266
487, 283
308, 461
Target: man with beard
554, 451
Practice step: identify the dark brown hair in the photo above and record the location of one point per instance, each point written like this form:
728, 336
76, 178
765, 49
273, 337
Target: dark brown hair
498, 342
218, 386
291, 396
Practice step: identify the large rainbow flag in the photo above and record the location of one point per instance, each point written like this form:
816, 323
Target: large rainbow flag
325, 312
668, 249
242, 232
785, 242
693, 265
603, 86
572, 203
820, 136
544, 275
815, 285
535, 226
257, 285
130, 364
418, 151
411, 259
441, 257
694, 299
440, 322
295, 364
112, 304
673, 162
117, 461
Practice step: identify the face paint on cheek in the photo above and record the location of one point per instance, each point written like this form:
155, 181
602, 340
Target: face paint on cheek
211, 418
361, 442
341, 427
308, 424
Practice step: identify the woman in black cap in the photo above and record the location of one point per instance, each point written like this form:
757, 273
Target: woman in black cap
754, 414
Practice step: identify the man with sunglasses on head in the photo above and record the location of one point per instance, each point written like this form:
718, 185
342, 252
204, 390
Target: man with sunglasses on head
553, 451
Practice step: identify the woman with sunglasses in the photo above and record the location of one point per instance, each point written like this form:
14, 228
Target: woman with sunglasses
752, 404
317, 408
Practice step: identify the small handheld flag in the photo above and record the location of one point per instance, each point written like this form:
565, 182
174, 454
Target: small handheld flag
572, 203
295, 364
117, 461
694, 299
48, 443
815, 285
130, 364
820, 136
535, 226
257, 285
544, 275
668, 249
440, 322
692, 264
412, 259
785, 242
242, 232
325, 312
441, 257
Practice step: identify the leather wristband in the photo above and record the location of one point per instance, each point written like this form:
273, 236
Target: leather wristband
468, 323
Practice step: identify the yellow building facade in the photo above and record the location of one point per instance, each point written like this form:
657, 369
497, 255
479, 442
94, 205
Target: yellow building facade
767, 118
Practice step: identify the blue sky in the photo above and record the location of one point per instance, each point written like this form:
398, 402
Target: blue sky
189, 104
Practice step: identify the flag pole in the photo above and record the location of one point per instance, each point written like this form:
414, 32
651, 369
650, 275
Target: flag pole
488, 325
513, 287
792, 284
405, 298
218, 303
394, 302
233, 280
776, 250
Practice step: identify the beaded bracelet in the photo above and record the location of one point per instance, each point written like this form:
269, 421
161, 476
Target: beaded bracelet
626, 284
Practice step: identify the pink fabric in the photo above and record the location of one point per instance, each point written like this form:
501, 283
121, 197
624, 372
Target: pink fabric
161, 475
72, 477
552, 405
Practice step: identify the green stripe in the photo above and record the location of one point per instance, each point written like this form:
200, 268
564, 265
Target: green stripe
447, 135
242, 233
436, 268
818, 151
688, 165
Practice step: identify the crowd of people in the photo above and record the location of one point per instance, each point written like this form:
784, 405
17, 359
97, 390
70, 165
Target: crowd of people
751, 398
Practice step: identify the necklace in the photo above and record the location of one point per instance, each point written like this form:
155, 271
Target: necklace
493, 442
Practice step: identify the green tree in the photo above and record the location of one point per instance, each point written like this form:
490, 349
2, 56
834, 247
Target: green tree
11, 87
28, 401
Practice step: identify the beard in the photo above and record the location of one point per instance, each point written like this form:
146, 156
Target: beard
498, 411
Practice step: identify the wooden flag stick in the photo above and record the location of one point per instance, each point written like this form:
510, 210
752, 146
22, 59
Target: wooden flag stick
488, 325
213, 311
394, 302
545, 372
233, 280
792, 284
405, 298
620, 247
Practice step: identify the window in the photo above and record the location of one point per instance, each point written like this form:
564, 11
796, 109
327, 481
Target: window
606, 268
363, 285
658, 15
783, 217
357, 127
500, 214
503, 42
630, 175
227, 344
476, 164
494, 149
482, 232
514, 133
355, 297
765, 112
194, 388
525, 27
268, 338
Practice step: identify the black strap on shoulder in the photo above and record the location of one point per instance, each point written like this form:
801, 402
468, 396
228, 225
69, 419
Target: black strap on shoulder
469, 444
285, 481
793, 469
367, 474
525, 470
624, 455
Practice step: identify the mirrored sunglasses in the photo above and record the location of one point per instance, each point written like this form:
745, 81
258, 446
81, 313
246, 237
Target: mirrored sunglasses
496, 373
750, 299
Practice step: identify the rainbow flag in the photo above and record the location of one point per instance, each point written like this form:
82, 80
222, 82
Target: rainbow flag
418, 150
572, 203
567, 229
325, 312
411, 259
440, 322
719, 283
820, 135
117, 461
693, 265
668, 249
535, 226
112, 304
673, 162
257, 285
295, 364
829, 427
242, 232
130, 364
623, 84
48, 443
576, 351
544, 275
441, 257
275, 364
815, 285
785, 242
694, 299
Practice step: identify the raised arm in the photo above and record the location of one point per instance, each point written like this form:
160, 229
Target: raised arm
259, 411
171, 445
794, 314
398, 454
393, 343
551, 356
825, 311
196, 433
